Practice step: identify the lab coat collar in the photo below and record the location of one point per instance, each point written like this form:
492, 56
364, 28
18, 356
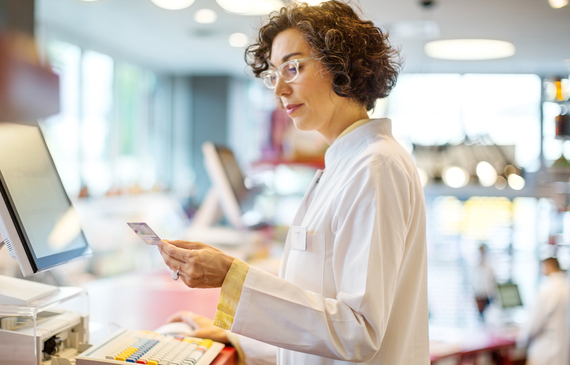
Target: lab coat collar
347, 146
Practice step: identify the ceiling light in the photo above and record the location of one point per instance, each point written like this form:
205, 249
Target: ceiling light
250, 7
557, 4
238, 40
173, 4
516, 182
205, 16
486, 173
455, 177
469, 49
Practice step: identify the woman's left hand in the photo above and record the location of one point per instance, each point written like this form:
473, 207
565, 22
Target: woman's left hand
204, 326
198, 265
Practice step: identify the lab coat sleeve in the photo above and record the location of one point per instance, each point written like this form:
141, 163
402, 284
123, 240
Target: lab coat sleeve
252, 352
370, 220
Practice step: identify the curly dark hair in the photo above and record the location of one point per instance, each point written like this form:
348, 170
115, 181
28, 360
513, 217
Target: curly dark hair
363, 63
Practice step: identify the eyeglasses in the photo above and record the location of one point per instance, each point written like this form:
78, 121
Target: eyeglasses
287, 72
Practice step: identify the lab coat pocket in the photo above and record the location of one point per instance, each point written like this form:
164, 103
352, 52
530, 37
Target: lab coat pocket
305, 268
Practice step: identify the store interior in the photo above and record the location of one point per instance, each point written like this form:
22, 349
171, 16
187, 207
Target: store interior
142, 87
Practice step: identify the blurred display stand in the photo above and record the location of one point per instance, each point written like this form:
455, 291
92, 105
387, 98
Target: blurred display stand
288, 145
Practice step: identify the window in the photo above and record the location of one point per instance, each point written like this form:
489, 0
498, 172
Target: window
437, 109
108, 136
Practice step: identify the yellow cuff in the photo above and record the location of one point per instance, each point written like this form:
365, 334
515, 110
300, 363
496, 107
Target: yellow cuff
230, 294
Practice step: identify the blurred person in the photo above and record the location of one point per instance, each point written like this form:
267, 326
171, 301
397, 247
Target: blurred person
352, 286
546, 334
483, 281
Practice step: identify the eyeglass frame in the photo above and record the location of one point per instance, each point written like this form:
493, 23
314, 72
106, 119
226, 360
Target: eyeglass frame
278, 73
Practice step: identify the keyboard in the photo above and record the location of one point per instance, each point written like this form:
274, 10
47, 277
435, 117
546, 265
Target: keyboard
150, 348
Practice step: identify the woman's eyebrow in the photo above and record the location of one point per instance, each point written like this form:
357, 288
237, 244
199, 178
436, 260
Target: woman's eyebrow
285, 58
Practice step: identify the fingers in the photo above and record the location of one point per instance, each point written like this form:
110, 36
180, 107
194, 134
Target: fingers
186, 244
171, 254
170, 261
199, 265
189, 319
178, 316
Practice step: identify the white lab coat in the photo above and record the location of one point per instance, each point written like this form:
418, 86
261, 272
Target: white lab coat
547, 329
358, 293
483, 281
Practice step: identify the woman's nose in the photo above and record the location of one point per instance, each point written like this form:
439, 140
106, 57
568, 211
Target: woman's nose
281, 87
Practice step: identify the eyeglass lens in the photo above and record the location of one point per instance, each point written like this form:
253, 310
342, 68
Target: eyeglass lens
288, 71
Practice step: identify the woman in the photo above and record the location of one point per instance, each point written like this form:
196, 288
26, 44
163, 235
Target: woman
352, 284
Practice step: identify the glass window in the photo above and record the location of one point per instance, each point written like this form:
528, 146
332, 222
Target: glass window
97, 104
108, 136
62, 130
438, 109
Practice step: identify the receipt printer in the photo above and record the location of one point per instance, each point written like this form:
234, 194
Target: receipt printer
56, 337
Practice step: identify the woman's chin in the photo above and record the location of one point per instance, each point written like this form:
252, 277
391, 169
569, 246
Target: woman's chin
302, 125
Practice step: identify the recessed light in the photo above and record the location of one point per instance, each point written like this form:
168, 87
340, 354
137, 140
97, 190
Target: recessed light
486, 173
238, 40
557, 4
455, 177
250, 7
516, 182
469, 49
173, 4
205, 16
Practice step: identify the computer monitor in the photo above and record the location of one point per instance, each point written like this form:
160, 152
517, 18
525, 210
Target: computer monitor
37, 221
509, 295
228, 191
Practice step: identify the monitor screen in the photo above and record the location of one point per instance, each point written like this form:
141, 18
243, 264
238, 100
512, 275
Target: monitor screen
235, 177
509, 295
38, 222
228, 192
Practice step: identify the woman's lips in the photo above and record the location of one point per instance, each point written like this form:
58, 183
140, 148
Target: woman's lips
292, 107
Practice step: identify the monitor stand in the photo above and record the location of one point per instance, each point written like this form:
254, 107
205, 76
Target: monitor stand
14, 291
209, 212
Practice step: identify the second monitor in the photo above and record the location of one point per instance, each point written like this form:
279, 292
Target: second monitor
228, 196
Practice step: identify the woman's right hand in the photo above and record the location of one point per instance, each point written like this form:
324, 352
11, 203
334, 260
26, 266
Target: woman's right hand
197, 264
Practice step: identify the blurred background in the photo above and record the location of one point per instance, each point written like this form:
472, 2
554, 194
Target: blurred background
143, 84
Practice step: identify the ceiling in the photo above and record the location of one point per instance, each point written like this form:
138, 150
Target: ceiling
168, 41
